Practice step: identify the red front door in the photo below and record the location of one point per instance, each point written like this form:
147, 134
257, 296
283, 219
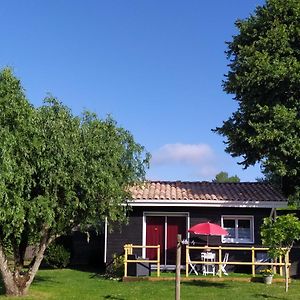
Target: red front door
163, 230
155, 235
176, 225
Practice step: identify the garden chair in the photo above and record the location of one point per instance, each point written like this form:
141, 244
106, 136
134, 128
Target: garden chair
223, 265
208, 268
193, 267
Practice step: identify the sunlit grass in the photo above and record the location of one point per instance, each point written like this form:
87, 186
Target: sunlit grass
71, 284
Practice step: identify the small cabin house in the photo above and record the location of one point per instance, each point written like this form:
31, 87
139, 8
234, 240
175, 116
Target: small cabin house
161, 209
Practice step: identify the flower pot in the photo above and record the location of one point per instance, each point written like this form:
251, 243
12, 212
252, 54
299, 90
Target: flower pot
268, 279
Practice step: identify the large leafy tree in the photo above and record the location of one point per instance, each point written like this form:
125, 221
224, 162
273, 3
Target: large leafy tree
57, 172
264, 76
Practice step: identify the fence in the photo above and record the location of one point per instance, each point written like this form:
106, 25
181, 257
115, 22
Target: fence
128, 248
274, 264
253, 261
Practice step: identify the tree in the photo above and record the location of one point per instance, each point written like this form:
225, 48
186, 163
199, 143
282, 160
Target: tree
279, 235
223, 177
58, 172
264, 76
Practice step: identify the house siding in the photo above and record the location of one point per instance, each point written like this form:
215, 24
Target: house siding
132, 233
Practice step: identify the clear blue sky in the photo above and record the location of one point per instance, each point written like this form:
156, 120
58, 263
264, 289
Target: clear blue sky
155, 66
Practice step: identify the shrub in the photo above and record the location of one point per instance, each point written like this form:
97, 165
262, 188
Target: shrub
116, 268
57, 256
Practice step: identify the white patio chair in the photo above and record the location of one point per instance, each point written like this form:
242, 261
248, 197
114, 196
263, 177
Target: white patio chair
208, 268
193, 267
223, 266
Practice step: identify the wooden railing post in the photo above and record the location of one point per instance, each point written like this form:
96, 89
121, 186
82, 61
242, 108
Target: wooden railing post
178, 267
253, 262
158, 260
187, 260
280, 267
220, 261
125, 259
274, 266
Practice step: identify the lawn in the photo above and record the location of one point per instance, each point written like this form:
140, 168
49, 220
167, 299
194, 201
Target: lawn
71, 284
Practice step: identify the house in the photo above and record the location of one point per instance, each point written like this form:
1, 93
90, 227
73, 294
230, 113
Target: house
162, 209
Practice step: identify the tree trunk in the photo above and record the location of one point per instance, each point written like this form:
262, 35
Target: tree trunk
37, 262
9, 280
17, 283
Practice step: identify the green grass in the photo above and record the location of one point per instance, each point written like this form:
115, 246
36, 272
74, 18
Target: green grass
70, 284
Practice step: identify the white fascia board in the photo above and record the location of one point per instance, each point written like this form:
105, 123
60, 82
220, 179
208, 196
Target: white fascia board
208, 203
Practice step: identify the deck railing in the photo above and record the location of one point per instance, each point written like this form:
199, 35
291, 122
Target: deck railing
128, 248
252, 263
281, 262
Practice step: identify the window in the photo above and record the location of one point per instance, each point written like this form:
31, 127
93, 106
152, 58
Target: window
240, 229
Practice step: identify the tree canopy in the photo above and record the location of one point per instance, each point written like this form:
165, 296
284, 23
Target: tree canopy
223, 177
279, 235
58, 172
264, 76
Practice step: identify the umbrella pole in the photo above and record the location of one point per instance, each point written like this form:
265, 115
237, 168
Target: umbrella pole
207, 240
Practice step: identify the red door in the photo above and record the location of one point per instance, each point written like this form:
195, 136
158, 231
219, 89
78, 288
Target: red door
175, 226
160, 229
155, 235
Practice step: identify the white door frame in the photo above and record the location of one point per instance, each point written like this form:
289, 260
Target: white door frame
163, 214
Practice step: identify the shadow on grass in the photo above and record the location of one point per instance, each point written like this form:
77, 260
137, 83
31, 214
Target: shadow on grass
38, 279
113, 297
204, 283
265, 296
97, 272
87, 268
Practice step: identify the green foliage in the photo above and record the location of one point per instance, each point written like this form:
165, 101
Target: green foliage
116, 268
223, 177
59, 171
57, 256
264, 77
280, 233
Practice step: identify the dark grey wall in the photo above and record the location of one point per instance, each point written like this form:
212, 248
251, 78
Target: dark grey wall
132, 233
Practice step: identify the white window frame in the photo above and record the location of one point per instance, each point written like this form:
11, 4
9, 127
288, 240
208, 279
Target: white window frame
237, 240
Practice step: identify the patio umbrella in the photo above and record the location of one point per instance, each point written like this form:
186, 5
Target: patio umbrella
208, 229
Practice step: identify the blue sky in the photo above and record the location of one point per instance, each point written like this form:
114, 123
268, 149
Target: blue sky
155, 66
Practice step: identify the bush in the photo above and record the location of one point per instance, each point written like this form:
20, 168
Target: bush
57, 256
116, 268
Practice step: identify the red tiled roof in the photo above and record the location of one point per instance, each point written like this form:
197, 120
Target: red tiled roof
179, 190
